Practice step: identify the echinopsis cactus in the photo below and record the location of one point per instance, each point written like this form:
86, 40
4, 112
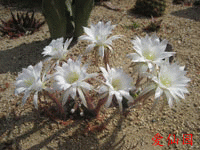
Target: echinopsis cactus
150, 8
67, 83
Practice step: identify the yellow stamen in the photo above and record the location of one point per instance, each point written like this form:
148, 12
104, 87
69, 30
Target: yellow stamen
73, 77
116, 83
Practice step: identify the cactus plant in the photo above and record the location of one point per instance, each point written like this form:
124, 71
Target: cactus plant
66, 18
150, 8
196, 3
21, 25
178, 1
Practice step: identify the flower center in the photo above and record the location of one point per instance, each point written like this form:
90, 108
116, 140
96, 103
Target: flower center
55, 49
73, 77
149, 55
116, 83
165, 81
29, 82
100, 40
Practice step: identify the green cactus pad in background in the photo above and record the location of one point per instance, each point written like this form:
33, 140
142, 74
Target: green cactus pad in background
66, 18
58, 18
81, 11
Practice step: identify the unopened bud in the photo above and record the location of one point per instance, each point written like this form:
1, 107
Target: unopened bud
81, 113
72, 111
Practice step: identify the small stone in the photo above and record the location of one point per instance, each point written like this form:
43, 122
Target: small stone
18, 103
195, 104
92, 147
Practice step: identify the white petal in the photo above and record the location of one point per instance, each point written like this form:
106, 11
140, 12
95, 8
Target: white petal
105, 73
169, 98
82, 97
35, 98
150, 66
109, 40
90, 47
65, 97
103, 89
101, 51
72, 92
88, 31
67, 43
110, 48
19, 90
85, 85
26, 95
158, 92
127, 95
38, 68
119, 99
135, 57
109, 100
85, 37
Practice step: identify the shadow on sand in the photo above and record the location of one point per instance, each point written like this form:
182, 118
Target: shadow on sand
13, 60
189, 13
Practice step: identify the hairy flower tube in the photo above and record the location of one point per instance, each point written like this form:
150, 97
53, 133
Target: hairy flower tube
98, 35
149, 50
70, 78
30, 80
57, 50
171, 82
117, 83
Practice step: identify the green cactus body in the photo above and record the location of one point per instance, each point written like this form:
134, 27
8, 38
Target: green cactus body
66, 18
150, 8
81, 11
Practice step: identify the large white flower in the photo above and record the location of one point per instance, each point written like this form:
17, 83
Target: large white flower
98, 35
30, 81
171, 81
57, 49
117, 83
149, 50
70, 78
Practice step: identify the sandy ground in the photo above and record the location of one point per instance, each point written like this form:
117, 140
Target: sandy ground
24, 127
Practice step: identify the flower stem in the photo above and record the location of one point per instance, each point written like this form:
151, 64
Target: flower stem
96, 56
142, 97
138, 81
106, 58
100, 103
52, 96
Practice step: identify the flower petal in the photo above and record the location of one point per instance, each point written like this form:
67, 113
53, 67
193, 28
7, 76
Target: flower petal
82, 97
65, 97
90, 47
127, 95
26, 95
35, 99
109, 100
158, 92
101, 51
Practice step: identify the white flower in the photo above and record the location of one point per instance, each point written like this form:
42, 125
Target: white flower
30, 81
171, 81
70, 78
98, 35
117, 83
149, 50
57, 49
